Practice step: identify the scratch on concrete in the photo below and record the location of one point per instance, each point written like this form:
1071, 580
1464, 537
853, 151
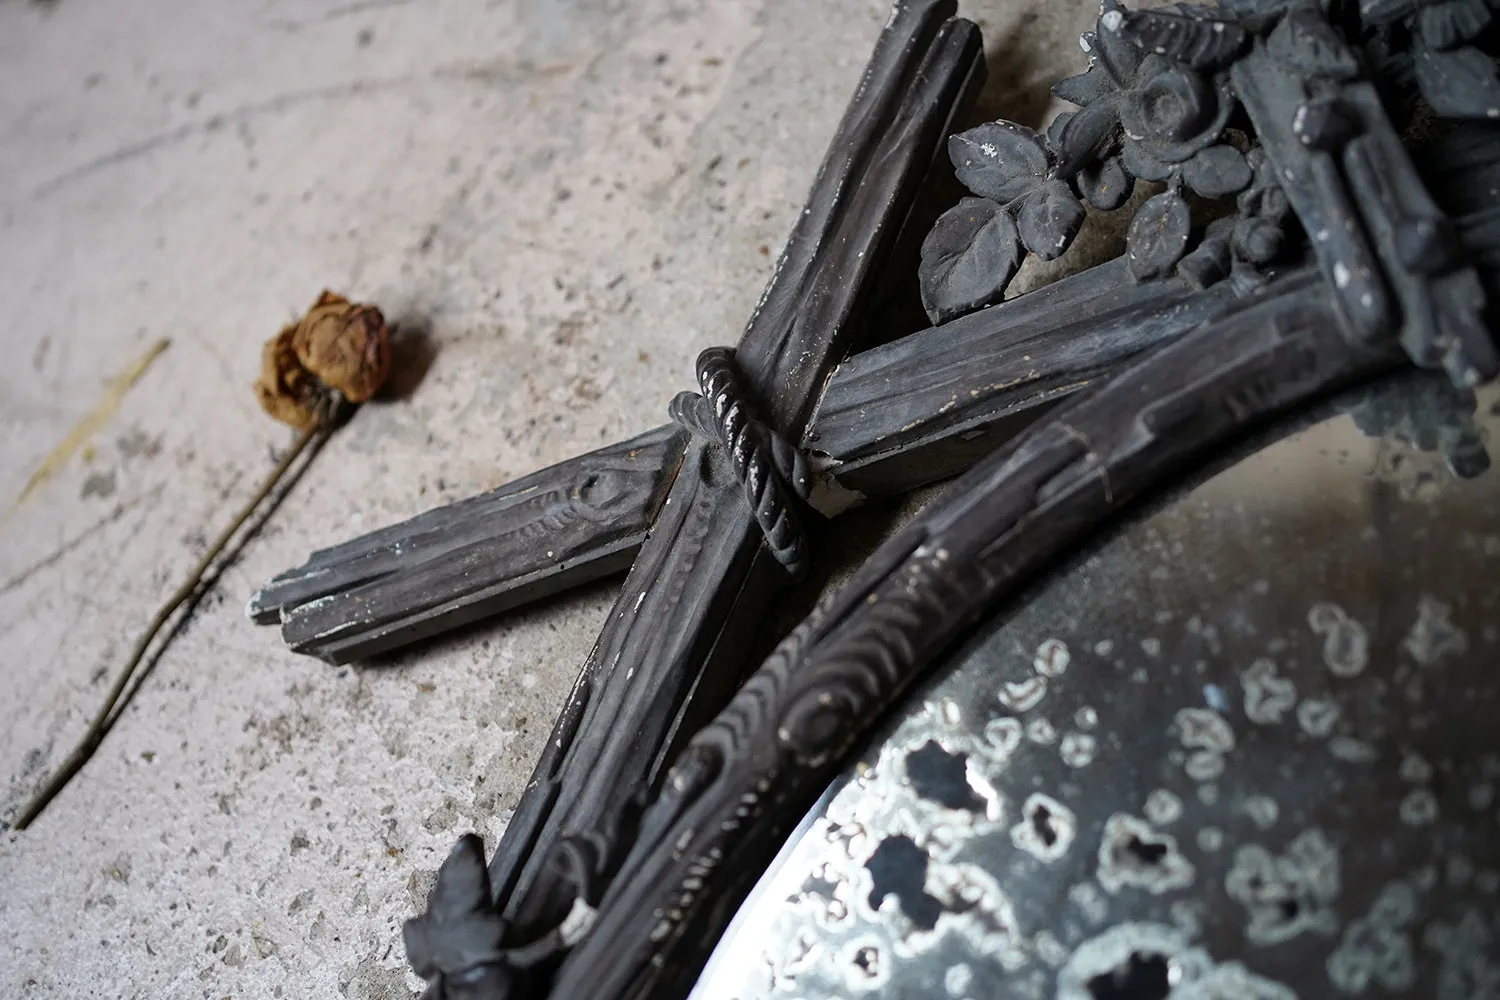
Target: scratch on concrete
115, 391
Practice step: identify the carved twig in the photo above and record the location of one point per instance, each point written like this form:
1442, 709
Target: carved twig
542, 534
659, 660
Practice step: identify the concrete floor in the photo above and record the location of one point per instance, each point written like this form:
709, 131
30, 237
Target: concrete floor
569, 198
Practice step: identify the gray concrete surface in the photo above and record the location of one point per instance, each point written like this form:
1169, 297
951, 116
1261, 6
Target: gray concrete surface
568, 197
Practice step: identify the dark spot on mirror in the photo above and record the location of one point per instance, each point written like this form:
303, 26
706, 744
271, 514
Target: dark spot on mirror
1141, 977
942, 777
899, 867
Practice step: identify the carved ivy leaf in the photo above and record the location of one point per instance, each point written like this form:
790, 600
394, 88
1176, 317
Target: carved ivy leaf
1158, 236
1088, 86
1451, 23
460, 928
968, 259
999, 160
1190, 37
1460, 83
1049, 219
1217, 172
1105, 185
1089, 134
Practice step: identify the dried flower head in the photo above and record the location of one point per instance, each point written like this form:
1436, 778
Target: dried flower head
340, 349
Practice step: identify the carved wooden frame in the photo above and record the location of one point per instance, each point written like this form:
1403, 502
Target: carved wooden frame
1290, 111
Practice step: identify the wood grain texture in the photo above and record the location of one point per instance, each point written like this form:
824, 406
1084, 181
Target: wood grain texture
928, 406
549, 531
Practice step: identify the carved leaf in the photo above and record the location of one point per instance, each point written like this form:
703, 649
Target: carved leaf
968, 259
1117, 55
1158, 236
999, 160
1105, 185
1195, 40
1217, 172
1448, 25
1089, 134
1308, 44
1055, 130
1088, 86
1142, 165
1049, 219
460, 928
1460, 83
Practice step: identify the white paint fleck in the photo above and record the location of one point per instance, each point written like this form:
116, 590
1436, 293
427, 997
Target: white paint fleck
1376, 948
1262, 810
1433, 637
1419, 808
1346, 646
1204, 766
1024, 695
1052, 658
1481, 796
1078, 749
1004, 734
1351, 750
1416, 769
1318, 717
1049, 949
1268, 697
1041, 731
1162, 807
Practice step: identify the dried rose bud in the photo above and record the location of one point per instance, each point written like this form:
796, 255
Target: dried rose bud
285, 389
346, 346
339, 347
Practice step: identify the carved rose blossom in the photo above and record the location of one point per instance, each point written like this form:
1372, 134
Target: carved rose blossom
1170, 114
1151, 102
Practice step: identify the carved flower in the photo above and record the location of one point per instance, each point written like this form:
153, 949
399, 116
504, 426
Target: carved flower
339, 349
1152, 100
1171, 112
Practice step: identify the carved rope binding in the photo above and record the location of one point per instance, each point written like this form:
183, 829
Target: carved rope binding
771, 470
